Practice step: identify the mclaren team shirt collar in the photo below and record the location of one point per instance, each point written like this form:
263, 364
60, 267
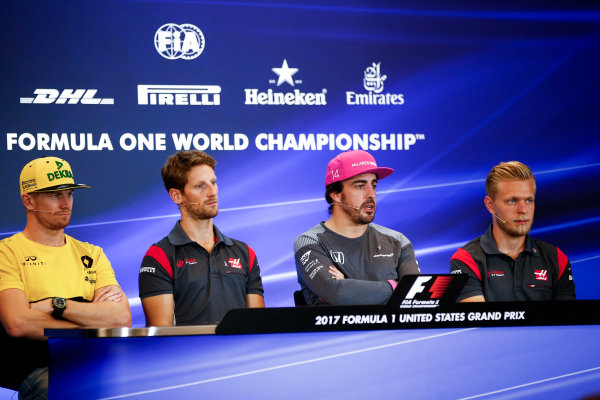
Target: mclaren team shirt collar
356, 239
178, 237
488, 244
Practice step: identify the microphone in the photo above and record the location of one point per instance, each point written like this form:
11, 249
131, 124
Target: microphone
346, 205
503, 221
187, 204
43, 211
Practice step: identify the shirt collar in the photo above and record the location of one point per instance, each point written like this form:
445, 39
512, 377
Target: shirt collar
178, 237
488, 244
346, 237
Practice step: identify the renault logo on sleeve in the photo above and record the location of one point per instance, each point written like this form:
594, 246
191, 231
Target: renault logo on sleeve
174, 41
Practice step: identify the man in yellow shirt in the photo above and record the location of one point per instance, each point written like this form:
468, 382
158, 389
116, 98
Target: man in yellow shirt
49, 279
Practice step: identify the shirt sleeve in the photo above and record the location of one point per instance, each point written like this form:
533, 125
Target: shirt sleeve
105, 275
408, 264
10, 277
254, 283
462, 262
564, 287
312, 267
156, 274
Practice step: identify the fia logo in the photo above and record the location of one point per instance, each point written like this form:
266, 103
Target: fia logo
174, 41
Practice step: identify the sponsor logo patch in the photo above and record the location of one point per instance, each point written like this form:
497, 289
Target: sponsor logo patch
181, 263
305, 257
32, 261
314, 271
337, 256
541, 274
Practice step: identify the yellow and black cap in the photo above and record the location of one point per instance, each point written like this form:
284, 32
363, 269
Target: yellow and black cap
48, 174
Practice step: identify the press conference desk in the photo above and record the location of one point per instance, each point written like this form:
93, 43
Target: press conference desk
365, 357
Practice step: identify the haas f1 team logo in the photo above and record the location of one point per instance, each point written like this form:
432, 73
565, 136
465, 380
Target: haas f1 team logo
541, 274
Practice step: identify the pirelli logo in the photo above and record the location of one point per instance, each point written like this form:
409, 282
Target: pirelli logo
179, 95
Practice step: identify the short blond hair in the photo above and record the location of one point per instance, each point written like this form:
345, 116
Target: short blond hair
507, 171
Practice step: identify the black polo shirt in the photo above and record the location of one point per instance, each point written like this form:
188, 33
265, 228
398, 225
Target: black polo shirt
540, 272
204, 285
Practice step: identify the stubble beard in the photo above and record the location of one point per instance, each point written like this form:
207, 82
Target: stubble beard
519, 231
203, 212
357, 215
53, 223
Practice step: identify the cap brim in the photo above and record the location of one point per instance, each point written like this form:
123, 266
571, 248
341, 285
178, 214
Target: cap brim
62, 187
381, 172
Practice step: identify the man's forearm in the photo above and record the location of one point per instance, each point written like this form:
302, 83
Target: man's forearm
27, 320
31, 324
354, 291
102, 314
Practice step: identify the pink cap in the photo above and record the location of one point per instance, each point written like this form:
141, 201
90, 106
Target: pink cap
352, 163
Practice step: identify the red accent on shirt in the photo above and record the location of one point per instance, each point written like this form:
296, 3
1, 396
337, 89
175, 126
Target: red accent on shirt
159, 255
563, 260
251, 257
465, 257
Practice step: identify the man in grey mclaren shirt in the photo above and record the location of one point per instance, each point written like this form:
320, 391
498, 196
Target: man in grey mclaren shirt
348, 259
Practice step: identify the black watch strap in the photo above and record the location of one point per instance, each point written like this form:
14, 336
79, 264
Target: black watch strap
59, 305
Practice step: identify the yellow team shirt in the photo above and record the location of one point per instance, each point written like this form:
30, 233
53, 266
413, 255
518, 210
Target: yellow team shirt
76, 269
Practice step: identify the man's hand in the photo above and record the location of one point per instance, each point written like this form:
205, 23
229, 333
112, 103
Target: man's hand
108, 293
336, 273
44, 306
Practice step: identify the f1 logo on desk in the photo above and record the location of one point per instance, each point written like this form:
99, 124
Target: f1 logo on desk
437, 288
427, 291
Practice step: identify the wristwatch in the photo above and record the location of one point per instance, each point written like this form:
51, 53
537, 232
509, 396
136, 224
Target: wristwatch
60, 305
